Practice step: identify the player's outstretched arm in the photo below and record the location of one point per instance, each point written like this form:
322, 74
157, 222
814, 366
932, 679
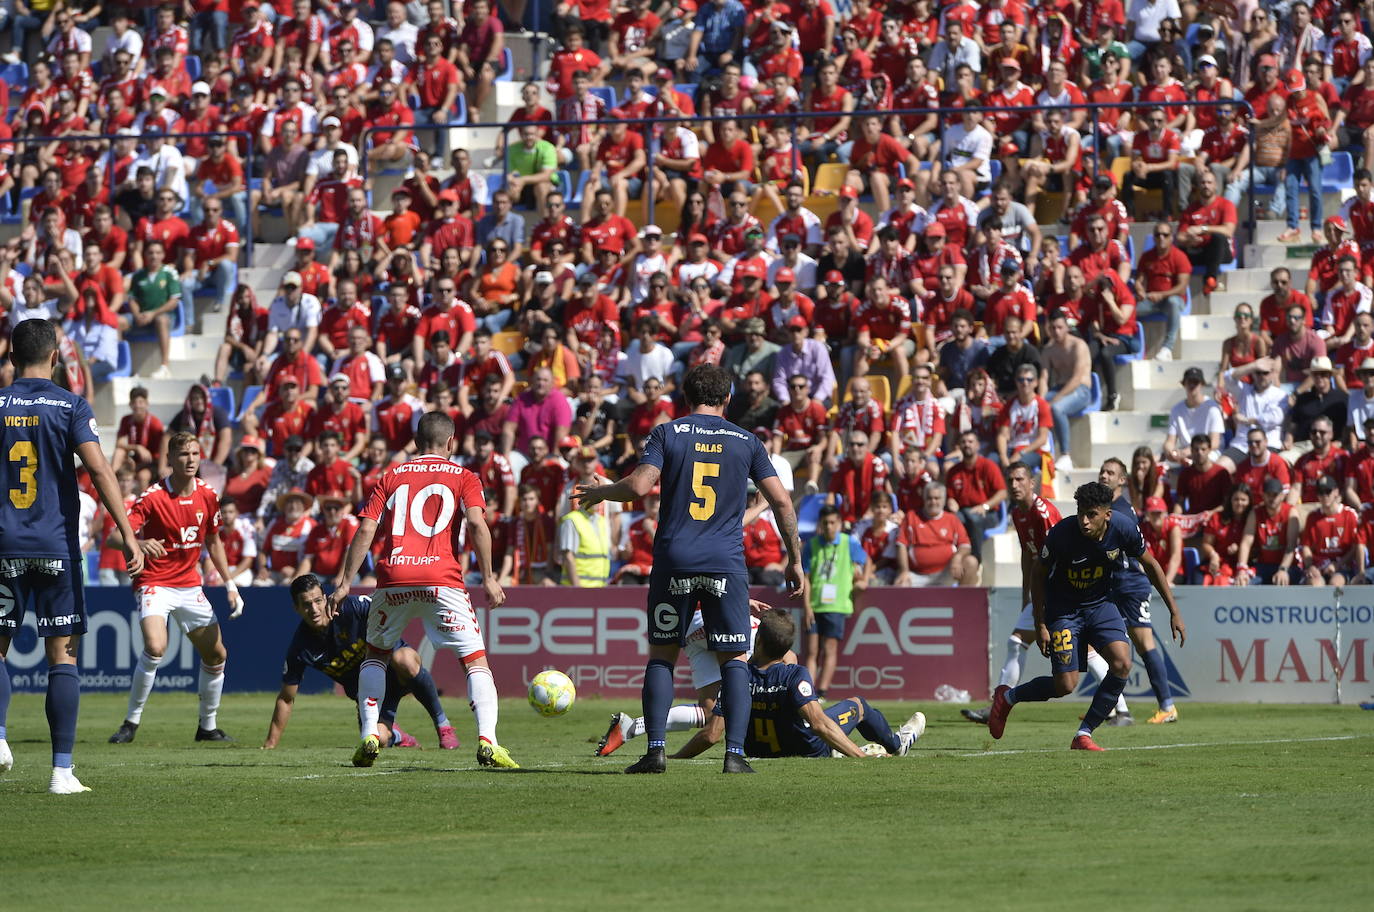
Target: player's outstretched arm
830, 733
632, 487
481, 543
781, 502
281, 714
357, 553
1037, 576
216, 548
1161, 584
93, 457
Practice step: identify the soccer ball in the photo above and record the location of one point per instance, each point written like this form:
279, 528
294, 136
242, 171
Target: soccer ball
552, 693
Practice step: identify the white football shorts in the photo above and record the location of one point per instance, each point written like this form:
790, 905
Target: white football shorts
445, 611
186, 604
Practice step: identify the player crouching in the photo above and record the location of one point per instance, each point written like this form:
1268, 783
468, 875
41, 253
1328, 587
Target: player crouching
335, 645
176, 518
787, 720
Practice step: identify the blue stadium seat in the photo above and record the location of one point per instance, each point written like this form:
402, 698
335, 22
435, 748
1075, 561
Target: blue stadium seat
1003, 516
809, 514
1192, 567
223, 397
192, 63
124, 361
495, 182
24, 269
249, 394
460, 109
576, 198
606, 94
507, 66
564, 182
1340, 174
1140, 339
16, 76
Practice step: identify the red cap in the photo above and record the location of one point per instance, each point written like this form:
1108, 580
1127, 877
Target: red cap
617, 113
1156, 505
1295, 81
906, 182
305, 243
696, 237
1335, 221
935, 229
570, 441
749, 268
450, 195
1268, 60
848, 192
798, 321
785, 275
664, 73
834, 277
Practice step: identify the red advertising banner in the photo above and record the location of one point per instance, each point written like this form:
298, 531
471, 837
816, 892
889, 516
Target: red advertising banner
900, 644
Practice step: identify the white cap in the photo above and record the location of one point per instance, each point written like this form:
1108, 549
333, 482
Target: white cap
650, 229
200, 88
543, 277
291, 278
331, 121
1207, 59
340, 377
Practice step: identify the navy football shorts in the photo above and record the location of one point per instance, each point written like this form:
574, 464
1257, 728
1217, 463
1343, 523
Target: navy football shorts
829, 624
57, 600
1134, 607
1072, 634
722, 597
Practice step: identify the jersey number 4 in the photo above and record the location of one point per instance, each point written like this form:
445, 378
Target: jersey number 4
26, 454
403, 508
704, 507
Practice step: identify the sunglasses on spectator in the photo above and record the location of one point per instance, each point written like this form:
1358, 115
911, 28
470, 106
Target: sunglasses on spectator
658, 285
1245, 316
797, 386
1025, 379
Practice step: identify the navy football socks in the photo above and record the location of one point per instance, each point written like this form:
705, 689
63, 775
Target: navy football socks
1104, 701
657, 698
4, 698
423, 689
874, 727
734, 692
63, 703
1036, 690
1159, 676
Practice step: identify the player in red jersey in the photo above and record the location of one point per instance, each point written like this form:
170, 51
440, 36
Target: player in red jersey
420, 576
177, 517
1332, 543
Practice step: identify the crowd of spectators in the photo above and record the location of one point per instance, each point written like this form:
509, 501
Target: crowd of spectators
900, 341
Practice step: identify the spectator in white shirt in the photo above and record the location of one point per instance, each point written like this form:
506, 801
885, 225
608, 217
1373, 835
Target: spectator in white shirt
1198, 413
293, 309
645, 358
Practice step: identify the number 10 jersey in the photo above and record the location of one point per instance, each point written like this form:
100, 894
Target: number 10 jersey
420, 507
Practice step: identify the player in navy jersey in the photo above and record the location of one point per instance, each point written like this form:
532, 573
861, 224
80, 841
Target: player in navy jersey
704, 464
41, 426
786, 718
335, 646
1131, 593
1071, 591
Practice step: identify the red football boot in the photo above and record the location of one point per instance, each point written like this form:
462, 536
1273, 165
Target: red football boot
1084, 743
997, 715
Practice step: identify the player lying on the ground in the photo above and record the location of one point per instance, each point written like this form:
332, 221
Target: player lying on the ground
335, 646
786, 718
705, 681
178, 517
1033, 517
1071, 591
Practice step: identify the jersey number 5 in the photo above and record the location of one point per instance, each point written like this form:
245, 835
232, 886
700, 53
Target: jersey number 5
706, 494
26, 453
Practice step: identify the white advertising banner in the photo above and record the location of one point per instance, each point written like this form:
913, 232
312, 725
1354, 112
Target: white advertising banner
1261, 644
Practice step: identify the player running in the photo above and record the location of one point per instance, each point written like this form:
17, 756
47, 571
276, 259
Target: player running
1071, 591
705, 681
178, 517
1131, 594
787, 717
420, 575
41, 426
334, 645
705, 464
1033, 517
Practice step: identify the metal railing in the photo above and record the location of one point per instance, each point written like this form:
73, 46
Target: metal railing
794, 117
175, 138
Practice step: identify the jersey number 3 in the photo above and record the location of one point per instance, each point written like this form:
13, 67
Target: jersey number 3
704, 507
25, 453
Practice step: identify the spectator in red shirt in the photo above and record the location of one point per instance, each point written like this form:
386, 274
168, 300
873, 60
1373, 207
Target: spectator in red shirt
327, 543
977, 490
139, 437
875, 157
1332, 544
1269, 543
219, 176
436, 82
1024, 431
287, 416
729, 161
333, 476
1308, 117
856, 479
933, 548
1161, 281
800, 432
1163, 537
1205, 230
283, 545
1203, 485
1154, 162
209, 259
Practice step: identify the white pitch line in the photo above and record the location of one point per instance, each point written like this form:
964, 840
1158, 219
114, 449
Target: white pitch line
1153, 747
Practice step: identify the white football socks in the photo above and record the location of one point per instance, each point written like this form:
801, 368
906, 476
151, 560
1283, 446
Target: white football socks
1099, 667
371, 689
482, 699
211, 687
1014, 663
680, 718
141, 686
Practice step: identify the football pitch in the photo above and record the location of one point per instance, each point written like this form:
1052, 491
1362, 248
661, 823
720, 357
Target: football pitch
1235, 807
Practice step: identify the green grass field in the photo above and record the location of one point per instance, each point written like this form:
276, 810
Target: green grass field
1255, 807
